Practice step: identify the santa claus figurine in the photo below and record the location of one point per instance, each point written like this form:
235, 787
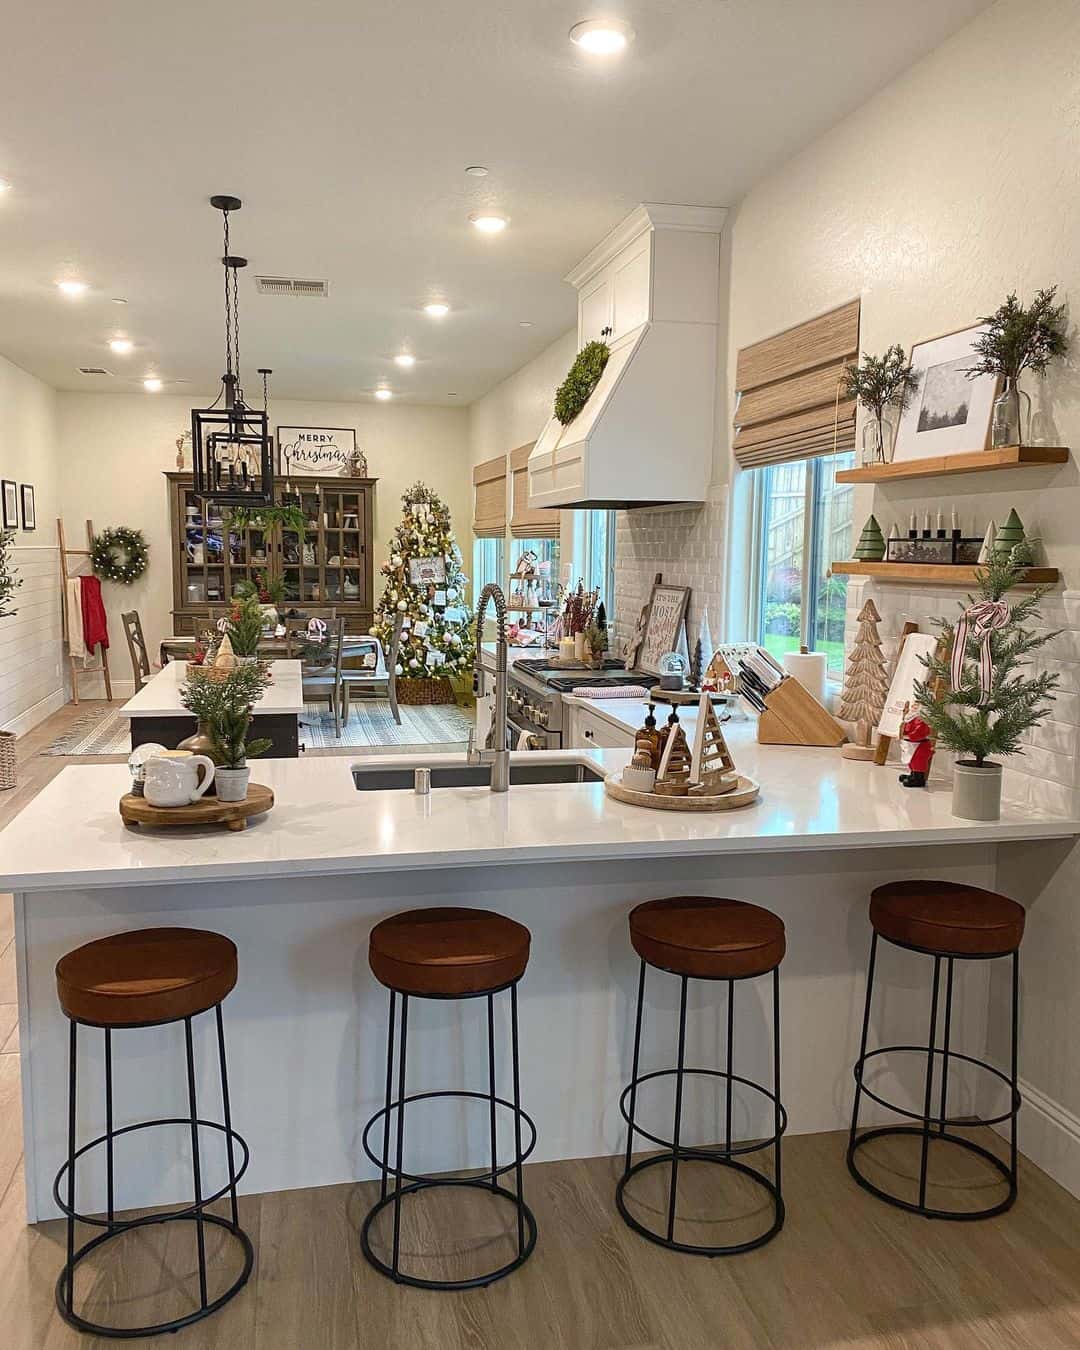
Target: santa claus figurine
916, 750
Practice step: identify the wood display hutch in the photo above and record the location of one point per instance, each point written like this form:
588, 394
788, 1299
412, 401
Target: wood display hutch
330, 567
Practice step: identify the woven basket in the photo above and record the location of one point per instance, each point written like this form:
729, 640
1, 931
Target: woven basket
415, 692
205, 672
7, 760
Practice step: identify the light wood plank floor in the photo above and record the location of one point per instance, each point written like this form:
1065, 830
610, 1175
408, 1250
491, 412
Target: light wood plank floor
845, 1272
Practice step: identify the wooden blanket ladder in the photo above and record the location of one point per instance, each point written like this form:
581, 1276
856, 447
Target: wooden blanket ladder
66, 574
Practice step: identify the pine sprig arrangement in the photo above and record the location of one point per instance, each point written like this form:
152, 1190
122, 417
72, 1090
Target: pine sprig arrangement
226, 707
881, 381
1019, 339
10, 581
961, 719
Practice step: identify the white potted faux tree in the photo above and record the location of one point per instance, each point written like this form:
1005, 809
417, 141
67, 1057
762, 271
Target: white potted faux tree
979, 697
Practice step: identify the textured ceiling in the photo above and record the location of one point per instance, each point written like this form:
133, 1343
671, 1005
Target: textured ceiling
346, 126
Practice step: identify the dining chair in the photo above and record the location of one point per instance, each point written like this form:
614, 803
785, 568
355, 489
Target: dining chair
136, 643
371, 680
319, 679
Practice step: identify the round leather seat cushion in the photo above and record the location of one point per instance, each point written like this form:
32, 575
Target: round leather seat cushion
150, 975
946, 917
707, 938
448, 952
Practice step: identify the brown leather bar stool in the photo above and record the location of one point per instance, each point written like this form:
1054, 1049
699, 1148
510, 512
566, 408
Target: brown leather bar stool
949, 922
152, 977
449, 953
696, 937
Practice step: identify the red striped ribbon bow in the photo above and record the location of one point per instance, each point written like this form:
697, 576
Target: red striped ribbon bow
978, 622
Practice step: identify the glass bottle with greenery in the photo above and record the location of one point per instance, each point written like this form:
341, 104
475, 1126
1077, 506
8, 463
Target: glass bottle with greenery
1018, 339
882, 385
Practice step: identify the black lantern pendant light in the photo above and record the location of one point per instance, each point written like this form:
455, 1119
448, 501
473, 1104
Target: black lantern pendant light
231, 446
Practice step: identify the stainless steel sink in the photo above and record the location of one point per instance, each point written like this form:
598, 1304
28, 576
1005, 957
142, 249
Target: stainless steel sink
390, 778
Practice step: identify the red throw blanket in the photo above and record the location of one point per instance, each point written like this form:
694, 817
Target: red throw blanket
95, 627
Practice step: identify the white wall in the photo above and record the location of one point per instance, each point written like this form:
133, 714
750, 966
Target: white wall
114, 449
31, 681
955, 185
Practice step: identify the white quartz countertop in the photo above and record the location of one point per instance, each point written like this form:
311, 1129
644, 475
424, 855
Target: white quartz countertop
160, 695
71, 834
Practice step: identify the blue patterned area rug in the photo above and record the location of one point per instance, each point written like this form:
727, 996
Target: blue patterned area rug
371, 726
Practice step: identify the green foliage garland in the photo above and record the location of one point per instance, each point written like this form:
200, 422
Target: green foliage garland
9, 580
959, 718
582, 378
133, 551
264, 518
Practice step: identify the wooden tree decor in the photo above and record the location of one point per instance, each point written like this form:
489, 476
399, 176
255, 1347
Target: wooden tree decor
673, 776
866, 684
712, 767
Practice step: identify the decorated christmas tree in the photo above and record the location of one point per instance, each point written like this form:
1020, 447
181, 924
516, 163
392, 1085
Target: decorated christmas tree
426, 584
866, 680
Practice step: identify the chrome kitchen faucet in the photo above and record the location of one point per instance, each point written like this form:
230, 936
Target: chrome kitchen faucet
495, 753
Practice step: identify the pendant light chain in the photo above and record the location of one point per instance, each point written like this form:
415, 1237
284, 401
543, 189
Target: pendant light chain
228, 300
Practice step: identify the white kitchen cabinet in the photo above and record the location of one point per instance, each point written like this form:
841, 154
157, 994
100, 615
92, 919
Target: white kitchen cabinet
594, 310
590, 731
614, 301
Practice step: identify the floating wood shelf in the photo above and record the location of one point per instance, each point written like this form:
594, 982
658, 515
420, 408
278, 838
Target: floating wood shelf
931, 574
1007, 457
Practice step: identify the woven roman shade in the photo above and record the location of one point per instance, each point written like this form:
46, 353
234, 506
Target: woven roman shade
787, 391
526, 523
489, 499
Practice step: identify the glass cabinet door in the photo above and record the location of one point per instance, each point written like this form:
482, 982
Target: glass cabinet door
344, 564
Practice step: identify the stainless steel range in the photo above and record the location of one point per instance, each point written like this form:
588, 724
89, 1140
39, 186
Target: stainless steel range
536, 714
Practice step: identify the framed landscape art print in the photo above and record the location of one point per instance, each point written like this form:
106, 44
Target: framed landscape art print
11, 503
949, 413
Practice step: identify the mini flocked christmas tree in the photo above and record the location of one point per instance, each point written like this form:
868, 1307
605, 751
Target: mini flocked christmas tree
426, 584
1008, 536
866, 683
871, 545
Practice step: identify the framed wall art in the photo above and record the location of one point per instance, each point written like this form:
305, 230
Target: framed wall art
427, 571
10, 491
667, 610
949, 413
29, 510
315, 451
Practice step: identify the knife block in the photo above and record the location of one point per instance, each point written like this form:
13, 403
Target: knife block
793, 716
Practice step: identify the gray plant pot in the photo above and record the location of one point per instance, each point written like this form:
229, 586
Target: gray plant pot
232, 784
976, 790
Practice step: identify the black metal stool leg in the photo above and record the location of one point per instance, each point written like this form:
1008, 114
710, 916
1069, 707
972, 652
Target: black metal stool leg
673, 1196
389, 1095
1014, 1085
491, 1089
776, 1083
196, 1170
730, 1061
72, 1060
634, 1073
929, 1085
860, 1062
396, 1263
110, 1198
518, 1185
226, 1111
945, 1044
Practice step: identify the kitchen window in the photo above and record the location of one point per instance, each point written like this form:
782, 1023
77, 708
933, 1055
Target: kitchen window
488, 564
593, 559
803, 523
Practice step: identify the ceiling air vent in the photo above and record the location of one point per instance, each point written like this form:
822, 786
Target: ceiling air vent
93, 370
292, 286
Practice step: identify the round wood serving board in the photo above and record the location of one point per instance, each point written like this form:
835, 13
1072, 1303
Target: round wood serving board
681, 697
745, 793
206, 811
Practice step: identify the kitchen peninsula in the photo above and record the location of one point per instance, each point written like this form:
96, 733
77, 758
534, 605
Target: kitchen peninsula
300, 890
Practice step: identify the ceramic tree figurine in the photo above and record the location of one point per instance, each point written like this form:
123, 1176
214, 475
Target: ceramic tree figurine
871, 545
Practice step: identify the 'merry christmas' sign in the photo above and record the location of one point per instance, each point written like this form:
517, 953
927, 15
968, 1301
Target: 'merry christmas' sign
315, 450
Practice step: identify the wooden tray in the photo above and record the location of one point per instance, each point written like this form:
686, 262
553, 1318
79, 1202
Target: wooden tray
206, 811
679, 697
745, 793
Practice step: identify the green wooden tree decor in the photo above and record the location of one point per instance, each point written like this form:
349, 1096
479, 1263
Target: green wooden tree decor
871, 546
1009, 536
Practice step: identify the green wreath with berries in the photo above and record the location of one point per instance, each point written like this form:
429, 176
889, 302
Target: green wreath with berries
119, 555
581, 379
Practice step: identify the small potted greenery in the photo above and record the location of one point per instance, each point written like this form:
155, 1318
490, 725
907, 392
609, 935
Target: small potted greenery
986, 711
244, 626
270, 593
224, 707
1018, 339
882, 385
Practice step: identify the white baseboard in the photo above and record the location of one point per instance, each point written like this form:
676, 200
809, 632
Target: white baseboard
93, 687
45, 707
1050, 1137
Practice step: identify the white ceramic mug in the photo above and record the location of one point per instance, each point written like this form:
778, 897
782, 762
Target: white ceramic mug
175, 782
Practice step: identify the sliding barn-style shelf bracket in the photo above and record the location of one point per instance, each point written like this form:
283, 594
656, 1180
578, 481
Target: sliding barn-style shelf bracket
934, 574
1006, 457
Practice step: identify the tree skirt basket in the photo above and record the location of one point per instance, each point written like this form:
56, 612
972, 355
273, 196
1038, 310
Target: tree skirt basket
436, 690
7, 760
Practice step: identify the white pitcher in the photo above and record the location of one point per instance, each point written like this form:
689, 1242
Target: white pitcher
175, 782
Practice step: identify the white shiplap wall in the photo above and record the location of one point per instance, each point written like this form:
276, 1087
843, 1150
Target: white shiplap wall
31, 642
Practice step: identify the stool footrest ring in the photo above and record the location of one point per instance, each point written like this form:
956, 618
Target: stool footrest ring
926, 1211
966, 1123
712, 1153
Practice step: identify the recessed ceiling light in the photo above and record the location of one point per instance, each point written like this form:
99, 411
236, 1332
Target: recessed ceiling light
602, 37
405, 359
437, 309
487, 222
119, 300
383, 394
72, 288
152, 384
476, 171
5, 186
525, 323
121, 346
451, 396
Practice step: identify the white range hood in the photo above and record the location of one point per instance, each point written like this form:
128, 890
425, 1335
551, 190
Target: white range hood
651, 289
